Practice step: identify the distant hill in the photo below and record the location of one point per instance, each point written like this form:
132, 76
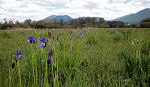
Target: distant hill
135, 18
65, 18
58, 18
97, 18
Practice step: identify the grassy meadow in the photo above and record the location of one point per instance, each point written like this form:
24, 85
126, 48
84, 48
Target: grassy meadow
99, 57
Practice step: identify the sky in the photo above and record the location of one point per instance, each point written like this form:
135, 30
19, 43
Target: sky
40, 9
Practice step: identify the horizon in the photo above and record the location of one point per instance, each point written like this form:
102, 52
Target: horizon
40, 9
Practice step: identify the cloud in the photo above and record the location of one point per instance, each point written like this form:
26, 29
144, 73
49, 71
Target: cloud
40, 9
117, 1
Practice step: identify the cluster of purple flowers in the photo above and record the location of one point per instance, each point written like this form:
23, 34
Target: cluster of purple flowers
44, 43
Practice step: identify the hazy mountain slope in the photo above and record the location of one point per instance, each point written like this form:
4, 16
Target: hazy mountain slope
58, 18
135, 18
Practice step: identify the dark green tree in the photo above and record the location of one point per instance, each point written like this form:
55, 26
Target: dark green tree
115, 24
28, 21
101, 23
145, 23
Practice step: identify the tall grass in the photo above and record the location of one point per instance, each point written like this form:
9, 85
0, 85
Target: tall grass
117, 57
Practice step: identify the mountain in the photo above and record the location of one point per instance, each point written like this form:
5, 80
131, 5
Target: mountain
135, 18
97, 18
58, 18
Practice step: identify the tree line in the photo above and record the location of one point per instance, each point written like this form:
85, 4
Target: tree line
87, 22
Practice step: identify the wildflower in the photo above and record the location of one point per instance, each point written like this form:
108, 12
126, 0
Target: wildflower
70, 32
19, 56
49, 61
51, 52
42, 60
31, 40
18, 53
42, 45
79, 35
65, 38
70, 38
53, 37
49, 44
44, 42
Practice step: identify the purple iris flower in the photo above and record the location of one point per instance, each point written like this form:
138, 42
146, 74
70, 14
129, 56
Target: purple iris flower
18, 53
79, 35
42, 60
44, 42
70, 32
19, 56
49, 61
42, 45
51, 52
31, 40
70, 38
53, 37
49, 44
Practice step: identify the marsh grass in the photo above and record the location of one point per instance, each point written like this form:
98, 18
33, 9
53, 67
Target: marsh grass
6, 35
112, 58
92, 38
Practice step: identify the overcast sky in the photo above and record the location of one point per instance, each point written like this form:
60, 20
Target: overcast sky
39, 9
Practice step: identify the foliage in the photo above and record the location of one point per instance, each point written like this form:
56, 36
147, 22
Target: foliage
145, 23
114, 24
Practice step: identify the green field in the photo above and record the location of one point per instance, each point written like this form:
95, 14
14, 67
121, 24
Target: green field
100, 57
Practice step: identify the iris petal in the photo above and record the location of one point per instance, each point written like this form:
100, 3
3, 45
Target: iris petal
43, 40
51, 51
19, 56
49, 44
41, 45
49, 61
28, 41
70, 38
42, 60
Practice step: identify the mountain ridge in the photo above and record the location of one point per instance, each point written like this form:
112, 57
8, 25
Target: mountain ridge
58, 18
135, 18
65, 18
